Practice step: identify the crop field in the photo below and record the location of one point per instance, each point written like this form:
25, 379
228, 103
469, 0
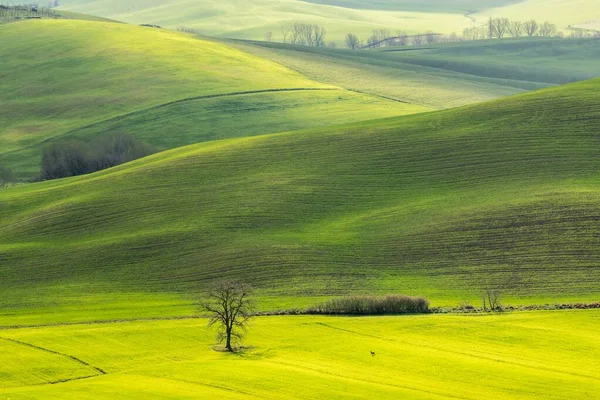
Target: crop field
58, 77
537, 355
443, 76
503, 194
251, 20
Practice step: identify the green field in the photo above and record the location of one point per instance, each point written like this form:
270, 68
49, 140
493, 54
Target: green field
250, 20
543, 355
61, 77
503, 194
447, 75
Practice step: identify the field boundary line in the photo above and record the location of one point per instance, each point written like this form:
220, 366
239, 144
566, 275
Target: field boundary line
100, 371
171, 103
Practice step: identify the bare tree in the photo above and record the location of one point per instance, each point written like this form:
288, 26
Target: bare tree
515, 28
491, 300
268, 36
430, 37
547, 29
498, 27
417, 40
285, 31
318, 36
230, 307
530, 27
352, 41
402, 38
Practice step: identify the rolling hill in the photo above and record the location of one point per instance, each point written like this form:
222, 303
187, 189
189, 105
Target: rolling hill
443, 75
251, 19
59, 77
503, 194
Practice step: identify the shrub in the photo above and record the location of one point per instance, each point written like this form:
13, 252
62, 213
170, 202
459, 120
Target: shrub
6, 177
373, 305
64, 159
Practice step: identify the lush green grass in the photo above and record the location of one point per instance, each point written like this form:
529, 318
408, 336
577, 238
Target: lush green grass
251, 19
443, 76
543, 355
503, 194
60, 76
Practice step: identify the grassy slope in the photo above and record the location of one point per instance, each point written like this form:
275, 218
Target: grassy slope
443, 76
59, 76
250, 20
239, 19
546, 355
503, 194
561, 12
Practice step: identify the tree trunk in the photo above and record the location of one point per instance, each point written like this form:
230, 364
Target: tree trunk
228, 344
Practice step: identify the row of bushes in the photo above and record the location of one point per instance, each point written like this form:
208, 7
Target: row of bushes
72, 158
373, 305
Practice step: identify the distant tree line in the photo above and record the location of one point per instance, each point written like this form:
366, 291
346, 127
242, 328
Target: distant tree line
498, 28
72, 158
186, 29
15, 12
310, 35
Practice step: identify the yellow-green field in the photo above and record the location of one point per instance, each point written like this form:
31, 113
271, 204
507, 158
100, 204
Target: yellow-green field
537, 355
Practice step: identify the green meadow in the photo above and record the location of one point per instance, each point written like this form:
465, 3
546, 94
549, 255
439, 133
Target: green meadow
310, 174
61, 77
502, 194
540, 355
443, 75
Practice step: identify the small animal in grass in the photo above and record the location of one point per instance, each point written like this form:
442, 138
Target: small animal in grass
372, 354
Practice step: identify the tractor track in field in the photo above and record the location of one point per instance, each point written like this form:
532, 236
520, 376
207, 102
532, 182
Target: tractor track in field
373, 382
99, 371
171, 103
440, 349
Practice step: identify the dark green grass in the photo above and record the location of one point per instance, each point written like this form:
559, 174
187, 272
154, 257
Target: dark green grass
440, 205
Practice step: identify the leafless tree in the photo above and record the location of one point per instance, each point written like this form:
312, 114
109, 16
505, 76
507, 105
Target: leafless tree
268, 36
285, 31
318, 36
230, 307
417, 40
307, 35
530, 27
498, 27
491, 300
402, 38
547, 29
430, 37
352, 41
515, 28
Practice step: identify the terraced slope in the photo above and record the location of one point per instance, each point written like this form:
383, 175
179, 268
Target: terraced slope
57, 77
503, 194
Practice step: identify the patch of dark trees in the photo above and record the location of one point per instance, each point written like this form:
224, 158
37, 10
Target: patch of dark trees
72, 158
393, 304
